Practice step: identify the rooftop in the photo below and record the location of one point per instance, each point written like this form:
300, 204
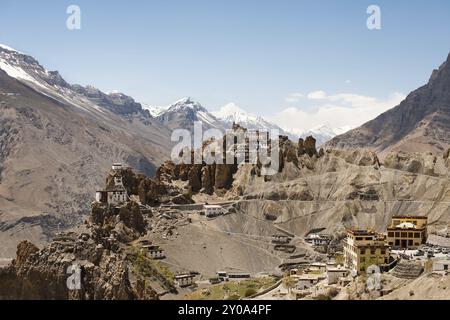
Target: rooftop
362, 232
336, 270
212, 206
409, 217
310, 276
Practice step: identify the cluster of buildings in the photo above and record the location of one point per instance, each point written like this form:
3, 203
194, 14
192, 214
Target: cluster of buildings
324, 273
364, 248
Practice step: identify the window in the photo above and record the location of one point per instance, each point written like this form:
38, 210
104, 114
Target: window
416, 234
391, 243
359, 238
410, 235
397, 234
372, 251
391, 234
383, 251
397, 242
410, 242
362, 251
404, 234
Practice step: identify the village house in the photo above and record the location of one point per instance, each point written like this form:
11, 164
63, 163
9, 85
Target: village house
334, 275
280, 239
184, 280
363, 248
212, 210
307, 281
318, 239
154, 251
317, 267
441, 265
115, 195
407, 232
239, 275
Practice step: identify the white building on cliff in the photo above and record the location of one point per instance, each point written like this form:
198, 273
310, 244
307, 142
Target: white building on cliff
115, 195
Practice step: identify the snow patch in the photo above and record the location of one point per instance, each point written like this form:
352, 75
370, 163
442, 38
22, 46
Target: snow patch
9, 48
17, 72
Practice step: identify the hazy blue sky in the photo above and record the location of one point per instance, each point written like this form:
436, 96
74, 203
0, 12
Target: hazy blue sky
254, 53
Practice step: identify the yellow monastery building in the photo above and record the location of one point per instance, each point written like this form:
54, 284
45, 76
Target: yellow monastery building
363, 248
407, 232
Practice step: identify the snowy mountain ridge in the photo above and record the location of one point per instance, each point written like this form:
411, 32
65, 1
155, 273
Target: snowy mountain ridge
232, 113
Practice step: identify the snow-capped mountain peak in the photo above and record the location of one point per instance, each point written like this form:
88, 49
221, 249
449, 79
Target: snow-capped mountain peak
155, 111
185, 104
182, 105
322, 133
183, 113
232, 113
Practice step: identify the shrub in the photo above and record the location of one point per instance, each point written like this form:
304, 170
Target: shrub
249, 292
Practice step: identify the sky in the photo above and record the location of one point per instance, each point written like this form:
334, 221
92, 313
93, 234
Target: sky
298, 63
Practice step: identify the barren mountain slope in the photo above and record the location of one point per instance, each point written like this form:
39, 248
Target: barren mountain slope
420, 123
348, 189
55, 145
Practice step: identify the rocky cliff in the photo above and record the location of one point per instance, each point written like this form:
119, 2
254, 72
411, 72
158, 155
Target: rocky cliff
104, 250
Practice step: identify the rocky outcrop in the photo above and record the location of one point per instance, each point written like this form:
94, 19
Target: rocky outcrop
219, 178
301, 147
200, 177
209, 178
96, 259
156, 191
224, 176
310, 146
422, 163
25, 250
195, 178
104, 275
362, 158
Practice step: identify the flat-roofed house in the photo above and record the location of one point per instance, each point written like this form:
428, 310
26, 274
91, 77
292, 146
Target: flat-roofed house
184, 280
335, 274
318, 239
441, 265
212, 210
307, 281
